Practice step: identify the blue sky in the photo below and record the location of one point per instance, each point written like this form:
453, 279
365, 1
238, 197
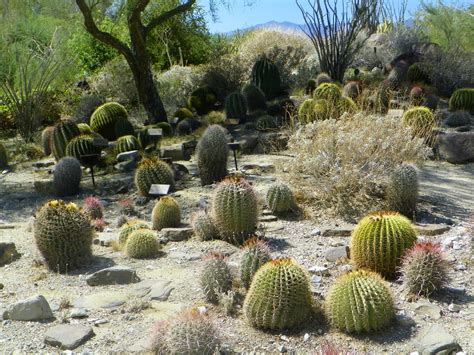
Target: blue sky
262, 11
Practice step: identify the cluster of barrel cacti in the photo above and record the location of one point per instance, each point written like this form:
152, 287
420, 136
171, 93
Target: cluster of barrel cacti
153, 171
138, 240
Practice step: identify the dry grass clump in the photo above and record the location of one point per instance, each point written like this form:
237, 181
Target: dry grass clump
342, 165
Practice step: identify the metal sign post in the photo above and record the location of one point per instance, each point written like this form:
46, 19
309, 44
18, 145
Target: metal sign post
89, 160
234, 146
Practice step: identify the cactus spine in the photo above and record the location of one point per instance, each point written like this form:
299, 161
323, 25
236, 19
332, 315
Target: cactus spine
67, 176
236, 106
142, 244
402, 190
63, 133
152, 171
255, 255
166, 214
215, 278
212, 153
266, 76
280, 198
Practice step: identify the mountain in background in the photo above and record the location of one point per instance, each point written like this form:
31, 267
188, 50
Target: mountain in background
284, 25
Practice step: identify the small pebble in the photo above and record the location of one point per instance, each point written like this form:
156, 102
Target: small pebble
282, 349
454, 307
306, 337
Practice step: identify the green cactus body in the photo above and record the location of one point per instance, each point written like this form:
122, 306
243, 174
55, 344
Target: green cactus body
166, 214
279, 296
345, 104
266, 123
67, 176
183, 113
379, 241
80, 146
255, 98
255, 255
63, 132
381, 99
236, 106
266, 76
310, 87
128, 228
421, 120
323, 78
202, 100
126, 144
46, 137
305, 111
235, 209
398, 74
203, 226
215, 278
84, 128
462, 99
327, 91
152, 171
124, 128
280, 198
212, 153
3, 157
359, 301
417, 73
402, 190
142, 244
63, 236
105, 119
352, 90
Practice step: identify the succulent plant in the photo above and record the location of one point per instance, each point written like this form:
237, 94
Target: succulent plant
398, 74
416, 96
345, 104
458, 119
255, 255
93, 208
67, 176
379, 241
187, 126
84, 128
203, 226
152, 171
236, 106
166, 214
129, 227
328, 91
359, 301
183, 113
266, 76
421, 120
63, 236
215, 278
424, 269
110, 120
80, 146
235, 209
266, 123
63, 133
462, 99
202, 100
431, 101
126, 144
280, 198
212, 153
352, 90
323, 78
402, 190
418, 72
310, 87
305, 111
3, 157
255, 97
279, 296
142, 244
46, 137
381, 99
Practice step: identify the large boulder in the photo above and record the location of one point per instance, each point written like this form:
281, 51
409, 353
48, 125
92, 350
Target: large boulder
31, 309
115, 275
456, 147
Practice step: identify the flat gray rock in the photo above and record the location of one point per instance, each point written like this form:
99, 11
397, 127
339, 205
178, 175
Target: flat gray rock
428, 309
30, 309
336, 253
105, 239
105, 300
115, 275
158, 290
68, 336
127, 156
177, 234
337, 232
437, 340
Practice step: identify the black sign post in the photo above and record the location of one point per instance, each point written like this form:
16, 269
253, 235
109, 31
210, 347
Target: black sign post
234, 146
90, 160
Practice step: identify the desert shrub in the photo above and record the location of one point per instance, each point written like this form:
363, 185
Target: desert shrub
342, 164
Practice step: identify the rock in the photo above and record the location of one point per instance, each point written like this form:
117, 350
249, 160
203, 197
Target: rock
115, 275
428, 309
460, 267
78, 313
127, 156
436, 340
337, 232
306, 337
454, 307
142, 346
456, 147
174, 152
126, 166
271, 227
431, 229
105, 300
184, 256
158, 290
268, 218
68, 336
43, 163
30, 309
282, 349
319, 270
177, 234
8, 253
333, 254
261, 167
105, 239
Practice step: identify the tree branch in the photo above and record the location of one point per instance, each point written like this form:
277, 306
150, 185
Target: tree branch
168, 14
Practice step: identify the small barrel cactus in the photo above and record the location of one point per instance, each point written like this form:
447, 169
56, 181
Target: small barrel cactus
323, 78
310, 87
424, 269
109, 118
255, 98
63, 133
142, 244
380, 101
255, 255
166, 214
352, 89
280, 198
379, 241
236, 106
67, 176
458, 119
462, 99
203, 226
202, 100
266, 76
398, 74
421, 120
215, 278
183, 113
46, 136
80, 146
84, 128
417, 96
417, 73
63, 235
359, 301
345, 104
152, 171
126, 144
266, 123
212, 153
306, 111
93, 208
3, 157
328, 91
129, 227
402, 190
235, 209
279, 296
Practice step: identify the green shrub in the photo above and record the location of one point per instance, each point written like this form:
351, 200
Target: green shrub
166, 214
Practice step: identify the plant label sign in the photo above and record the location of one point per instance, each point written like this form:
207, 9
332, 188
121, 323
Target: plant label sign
159, 189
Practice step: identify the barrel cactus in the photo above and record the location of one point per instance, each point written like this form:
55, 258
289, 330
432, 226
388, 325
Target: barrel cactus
417, 73
203, 100
142, 244
82, 145
93, 208
360, 301
352, 89
266, 123
107, 117
255, 255
398, 74
458, 119
462, 99
46, 136
236, 106
280, 198
379, 241
3, 157
63, 236
212, 153
417, 96
279, 296
328, 91
67, 176
305, 111
234, 209
63, 133
402, 190
215, 278
126, 144
323, 78
203, 226
421, 120
345, 104
128, 228
380, 101
266, 76
255, 97
166, 214
183, 113
424, 269
84, 128
153, 171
